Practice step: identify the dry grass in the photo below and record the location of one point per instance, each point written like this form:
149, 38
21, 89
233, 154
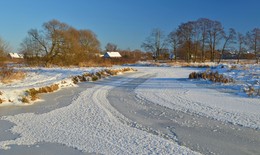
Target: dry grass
251, 91
94, 78
8, 75
212, 76
98, 75
33, 94
25, 100
198, 65
97, 63
1, 101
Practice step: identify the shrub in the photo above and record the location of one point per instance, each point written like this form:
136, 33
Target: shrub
25, 100
1, 101
98, 74
75, 79
34, 93
212, 76
251, 91
54, 87
8, 74
94, 78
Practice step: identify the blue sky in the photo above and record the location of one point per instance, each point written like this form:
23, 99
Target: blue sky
125, 23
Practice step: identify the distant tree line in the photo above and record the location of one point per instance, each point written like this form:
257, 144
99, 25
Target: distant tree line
58, 43
202, 40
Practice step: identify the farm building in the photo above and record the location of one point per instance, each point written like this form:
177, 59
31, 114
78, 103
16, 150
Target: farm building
15, 56
112, 55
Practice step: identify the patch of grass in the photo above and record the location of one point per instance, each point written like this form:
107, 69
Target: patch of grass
99, 75
251, 91
212, 76
94, 78
33, 93
1, 101
8, 74
25, 100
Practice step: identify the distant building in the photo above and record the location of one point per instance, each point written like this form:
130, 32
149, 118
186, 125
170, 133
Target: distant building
112, 55
16, 56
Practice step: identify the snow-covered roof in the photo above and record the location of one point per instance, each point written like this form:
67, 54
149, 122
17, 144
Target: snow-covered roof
16, 56
112, 55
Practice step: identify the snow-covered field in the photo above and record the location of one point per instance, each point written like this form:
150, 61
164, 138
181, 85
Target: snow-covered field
182, 94
91, 124
40, 77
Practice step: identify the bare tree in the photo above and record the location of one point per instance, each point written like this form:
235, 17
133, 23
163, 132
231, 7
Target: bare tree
48, 42
88, 40
204, 28
4, 48
241, 42
228, 40
174, 42
186, 33
111, 47
253, 42
59, 43
196, 39
215, 33
155, 43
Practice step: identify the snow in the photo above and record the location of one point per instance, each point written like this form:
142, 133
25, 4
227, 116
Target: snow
89, 124
39, 77
245, 76
112, 55
179, 93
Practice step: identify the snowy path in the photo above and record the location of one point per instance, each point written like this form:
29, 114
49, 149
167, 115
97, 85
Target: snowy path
89, 124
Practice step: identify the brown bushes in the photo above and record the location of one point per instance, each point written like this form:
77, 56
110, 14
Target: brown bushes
1, 101
251, 91
8, 74
212, 76
99, 74
33, 94
25, 100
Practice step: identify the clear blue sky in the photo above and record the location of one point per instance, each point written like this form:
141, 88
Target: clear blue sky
125, 23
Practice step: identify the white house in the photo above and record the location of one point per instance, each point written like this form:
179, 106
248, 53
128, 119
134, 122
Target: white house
15, 56
112, 55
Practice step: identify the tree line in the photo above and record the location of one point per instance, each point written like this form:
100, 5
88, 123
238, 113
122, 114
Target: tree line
58, 43
202, 40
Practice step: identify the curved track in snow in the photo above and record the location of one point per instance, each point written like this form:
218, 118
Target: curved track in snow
89, 124
153, 111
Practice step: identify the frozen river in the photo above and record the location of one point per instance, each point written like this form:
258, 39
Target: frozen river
147, 112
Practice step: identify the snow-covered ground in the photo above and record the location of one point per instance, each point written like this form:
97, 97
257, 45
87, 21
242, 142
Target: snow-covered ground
171, 88
40, 77
245, 76
91, 124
